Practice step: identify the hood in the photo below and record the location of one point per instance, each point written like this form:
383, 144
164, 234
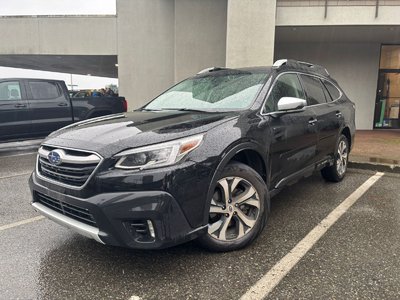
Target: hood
111, 134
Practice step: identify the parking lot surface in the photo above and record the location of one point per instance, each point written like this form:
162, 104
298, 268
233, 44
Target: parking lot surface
357, 258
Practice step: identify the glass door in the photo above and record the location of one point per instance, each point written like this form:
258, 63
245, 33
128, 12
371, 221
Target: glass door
387, 114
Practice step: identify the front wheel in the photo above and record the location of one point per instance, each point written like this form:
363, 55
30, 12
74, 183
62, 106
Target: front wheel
337, 171
238, 209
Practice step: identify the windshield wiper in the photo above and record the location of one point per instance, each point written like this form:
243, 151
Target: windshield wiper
186, 109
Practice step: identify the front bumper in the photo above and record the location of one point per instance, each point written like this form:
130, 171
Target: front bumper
118, 218
82, 228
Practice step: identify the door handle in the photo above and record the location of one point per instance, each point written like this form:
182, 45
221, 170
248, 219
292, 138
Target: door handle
62, 104
312, 121
20, 105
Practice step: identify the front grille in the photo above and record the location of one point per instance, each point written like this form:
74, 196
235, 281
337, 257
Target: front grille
75, 212
74, 170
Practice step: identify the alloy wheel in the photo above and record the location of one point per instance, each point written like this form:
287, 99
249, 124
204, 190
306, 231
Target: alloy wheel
234, 210
341, 161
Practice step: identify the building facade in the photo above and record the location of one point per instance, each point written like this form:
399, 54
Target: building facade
156, 43
355, 40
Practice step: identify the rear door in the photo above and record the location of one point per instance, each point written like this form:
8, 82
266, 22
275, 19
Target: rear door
328, 115
15, 122
294, 134
50, 106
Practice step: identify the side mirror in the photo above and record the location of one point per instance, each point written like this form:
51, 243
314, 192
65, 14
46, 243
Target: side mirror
291, 103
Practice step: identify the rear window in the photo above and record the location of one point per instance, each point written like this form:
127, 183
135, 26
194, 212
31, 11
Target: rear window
44, 90
333, 91
326, 93
314, 90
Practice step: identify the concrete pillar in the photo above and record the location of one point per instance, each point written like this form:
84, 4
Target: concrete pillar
250, 33
200, 35
145, 31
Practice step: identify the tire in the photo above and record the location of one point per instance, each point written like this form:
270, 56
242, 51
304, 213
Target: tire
236, 217
337, 171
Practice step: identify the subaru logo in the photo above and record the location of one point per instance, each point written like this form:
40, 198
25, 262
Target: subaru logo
54, 157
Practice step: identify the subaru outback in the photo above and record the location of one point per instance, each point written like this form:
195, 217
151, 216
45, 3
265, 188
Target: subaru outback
200, 161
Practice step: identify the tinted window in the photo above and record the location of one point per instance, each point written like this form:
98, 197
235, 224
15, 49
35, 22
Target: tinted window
287, 85
333, 91
314, 90
326, 93
10, 90
44, 90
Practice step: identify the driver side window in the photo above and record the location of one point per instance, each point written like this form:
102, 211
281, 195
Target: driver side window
287, 85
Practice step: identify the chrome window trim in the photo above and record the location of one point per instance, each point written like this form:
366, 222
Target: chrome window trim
64, 184
297, 73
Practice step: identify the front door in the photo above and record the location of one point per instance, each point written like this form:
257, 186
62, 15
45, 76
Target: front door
294, 135
15, 122
294, 143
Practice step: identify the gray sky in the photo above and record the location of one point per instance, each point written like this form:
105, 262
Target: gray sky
57, 7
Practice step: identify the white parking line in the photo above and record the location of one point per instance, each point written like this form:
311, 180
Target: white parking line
19, 223
14, 155
272, 278
15, 175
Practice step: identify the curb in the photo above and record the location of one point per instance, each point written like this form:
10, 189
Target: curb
375, 167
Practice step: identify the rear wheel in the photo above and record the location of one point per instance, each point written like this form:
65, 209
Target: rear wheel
237, 211
337, 171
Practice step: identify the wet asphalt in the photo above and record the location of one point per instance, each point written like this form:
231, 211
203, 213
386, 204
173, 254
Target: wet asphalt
358, 258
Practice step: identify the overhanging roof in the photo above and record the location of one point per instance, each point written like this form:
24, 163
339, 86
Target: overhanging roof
96, 65
338, 34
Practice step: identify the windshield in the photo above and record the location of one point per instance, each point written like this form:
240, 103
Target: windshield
219, 91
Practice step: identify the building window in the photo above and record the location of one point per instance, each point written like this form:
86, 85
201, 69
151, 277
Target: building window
387, 105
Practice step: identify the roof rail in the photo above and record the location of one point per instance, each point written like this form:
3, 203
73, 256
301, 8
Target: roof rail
279, 63
211, 69
300, 64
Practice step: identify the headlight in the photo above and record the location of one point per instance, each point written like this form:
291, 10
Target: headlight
159, 155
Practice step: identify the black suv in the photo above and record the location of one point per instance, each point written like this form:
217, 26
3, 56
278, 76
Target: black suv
199, 161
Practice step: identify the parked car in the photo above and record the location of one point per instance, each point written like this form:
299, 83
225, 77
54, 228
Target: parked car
199, 161
31, 108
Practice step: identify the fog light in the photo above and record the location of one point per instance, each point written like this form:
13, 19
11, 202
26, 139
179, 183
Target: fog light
151, 229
